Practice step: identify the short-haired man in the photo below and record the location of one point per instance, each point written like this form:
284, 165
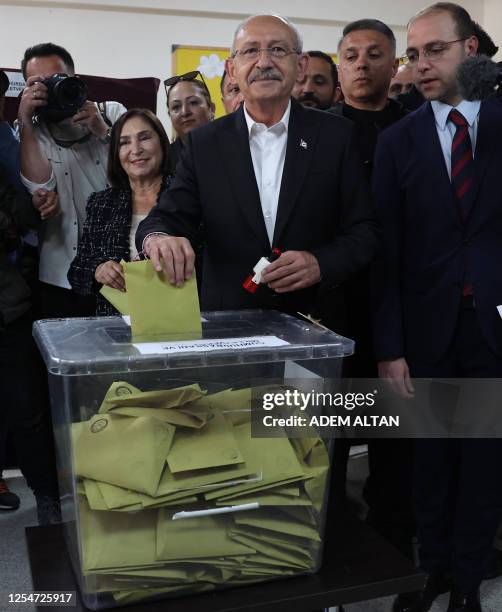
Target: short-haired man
272, 175
317, 87
230, 94
437, 188
367, 63
402, 82
413, 99
69, 155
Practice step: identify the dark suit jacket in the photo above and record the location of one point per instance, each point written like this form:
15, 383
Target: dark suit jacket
324, 207
420, 276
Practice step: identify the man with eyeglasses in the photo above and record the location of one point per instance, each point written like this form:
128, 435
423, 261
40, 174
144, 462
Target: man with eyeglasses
272, 175
437, 189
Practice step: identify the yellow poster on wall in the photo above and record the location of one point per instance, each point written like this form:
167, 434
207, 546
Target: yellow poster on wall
209, 61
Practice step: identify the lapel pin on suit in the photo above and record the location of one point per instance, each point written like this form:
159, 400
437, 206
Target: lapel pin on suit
303, 143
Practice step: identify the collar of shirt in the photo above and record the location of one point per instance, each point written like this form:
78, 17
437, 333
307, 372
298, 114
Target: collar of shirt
470, 110
254, 127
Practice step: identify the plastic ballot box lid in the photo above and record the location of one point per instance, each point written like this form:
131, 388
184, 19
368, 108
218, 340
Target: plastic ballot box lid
80, 346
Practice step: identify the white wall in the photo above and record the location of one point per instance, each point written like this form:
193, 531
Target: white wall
133, 38
493, 23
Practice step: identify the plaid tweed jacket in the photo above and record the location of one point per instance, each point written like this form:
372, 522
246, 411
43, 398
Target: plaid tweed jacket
105, 237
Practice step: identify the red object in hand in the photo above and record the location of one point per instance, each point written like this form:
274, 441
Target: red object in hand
249, 285
253, 281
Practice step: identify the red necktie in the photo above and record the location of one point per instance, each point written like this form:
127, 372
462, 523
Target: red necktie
462, 163
462, 173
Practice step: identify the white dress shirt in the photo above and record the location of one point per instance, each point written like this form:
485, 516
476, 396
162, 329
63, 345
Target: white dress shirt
268, 151
446, 129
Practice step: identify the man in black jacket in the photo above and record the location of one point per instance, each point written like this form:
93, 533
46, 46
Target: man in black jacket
367, 55
272, 175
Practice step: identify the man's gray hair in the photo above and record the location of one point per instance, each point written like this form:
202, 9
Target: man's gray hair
298, 39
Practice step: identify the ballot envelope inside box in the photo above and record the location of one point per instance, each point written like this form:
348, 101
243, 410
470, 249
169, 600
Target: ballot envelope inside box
165, 489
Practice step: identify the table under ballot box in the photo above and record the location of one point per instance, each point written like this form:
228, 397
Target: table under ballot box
166, 489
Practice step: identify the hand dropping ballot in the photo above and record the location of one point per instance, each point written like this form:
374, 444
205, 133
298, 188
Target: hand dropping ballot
156, 307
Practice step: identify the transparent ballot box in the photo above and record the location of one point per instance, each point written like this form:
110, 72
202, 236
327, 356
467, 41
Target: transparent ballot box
166, 488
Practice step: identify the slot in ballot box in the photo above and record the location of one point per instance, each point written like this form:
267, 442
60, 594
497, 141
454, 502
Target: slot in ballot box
167, 486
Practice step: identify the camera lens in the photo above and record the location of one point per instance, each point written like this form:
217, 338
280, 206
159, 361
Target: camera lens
70, 92
66, 95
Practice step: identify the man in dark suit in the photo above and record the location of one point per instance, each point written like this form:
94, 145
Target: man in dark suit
271, 175
437, 188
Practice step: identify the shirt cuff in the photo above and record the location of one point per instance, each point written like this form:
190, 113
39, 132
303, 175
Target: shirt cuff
148, 236
50, 185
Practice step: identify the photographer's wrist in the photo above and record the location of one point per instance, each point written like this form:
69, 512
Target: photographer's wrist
105, 139
24, 125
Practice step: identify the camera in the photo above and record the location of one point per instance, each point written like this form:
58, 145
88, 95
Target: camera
66, 95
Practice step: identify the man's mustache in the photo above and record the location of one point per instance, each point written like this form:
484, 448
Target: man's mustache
269, 74
309, 97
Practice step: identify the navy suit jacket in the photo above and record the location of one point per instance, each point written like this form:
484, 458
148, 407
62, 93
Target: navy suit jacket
324, 207
420, 275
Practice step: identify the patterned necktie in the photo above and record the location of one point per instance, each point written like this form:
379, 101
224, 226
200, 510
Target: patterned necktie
462, 175
462, 163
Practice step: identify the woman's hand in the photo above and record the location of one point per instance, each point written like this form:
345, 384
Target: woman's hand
110, 273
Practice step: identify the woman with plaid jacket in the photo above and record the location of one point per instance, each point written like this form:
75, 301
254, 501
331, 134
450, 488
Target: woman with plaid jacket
139, 170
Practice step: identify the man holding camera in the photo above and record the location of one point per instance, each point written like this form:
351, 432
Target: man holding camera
64, 147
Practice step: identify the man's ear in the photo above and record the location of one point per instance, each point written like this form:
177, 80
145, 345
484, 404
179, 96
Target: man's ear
338, 95
395, 67
229, 67
471, 46
303, 63
212, 109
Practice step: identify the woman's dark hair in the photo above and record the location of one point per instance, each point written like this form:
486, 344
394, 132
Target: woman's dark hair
117, 176
200, 86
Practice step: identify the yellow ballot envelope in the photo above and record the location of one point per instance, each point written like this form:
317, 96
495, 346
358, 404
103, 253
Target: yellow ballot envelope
118, 299
157, 307
168, 508
123, 451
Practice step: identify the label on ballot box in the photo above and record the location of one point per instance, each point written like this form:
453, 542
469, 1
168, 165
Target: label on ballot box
225, 344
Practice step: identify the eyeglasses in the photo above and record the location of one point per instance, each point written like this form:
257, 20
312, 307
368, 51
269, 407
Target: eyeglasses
252, 53
188, 76
433, 51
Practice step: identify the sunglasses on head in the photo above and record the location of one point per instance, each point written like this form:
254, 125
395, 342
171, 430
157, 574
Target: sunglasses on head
188, 76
